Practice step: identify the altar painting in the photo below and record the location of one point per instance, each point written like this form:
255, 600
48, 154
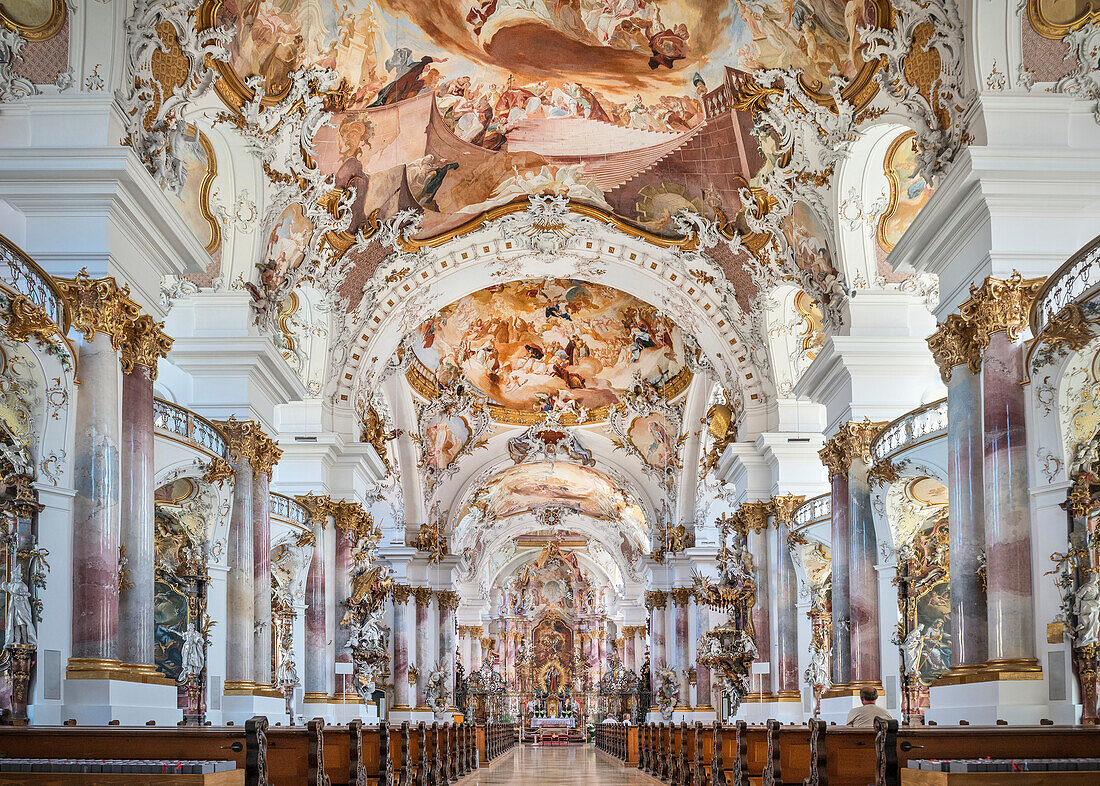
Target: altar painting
929, 623
552, 655
169, 595
527, 345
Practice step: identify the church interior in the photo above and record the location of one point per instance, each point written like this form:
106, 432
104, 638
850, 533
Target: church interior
421, 391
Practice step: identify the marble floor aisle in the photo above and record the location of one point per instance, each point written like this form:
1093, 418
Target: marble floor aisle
559, 766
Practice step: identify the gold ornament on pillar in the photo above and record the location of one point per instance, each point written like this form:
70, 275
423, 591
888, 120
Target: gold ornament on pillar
318, 506
401, 593
784, 506
423, 595
217, 470
752, 516
681, 596
851, 442
143, 343
433, 540
375, 435
999, 304
656, 599
447, 599
351, 519
247, 440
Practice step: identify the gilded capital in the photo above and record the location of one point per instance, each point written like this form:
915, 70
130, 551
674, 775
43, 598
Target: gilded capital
448, 599
351, 519
401, 593
423, 595
952, 345
318, 506
834, 455
247, 440
487, 643
752, 516
656, 599
217, 470
681, 596
784, 506
475, 630
851, 442
143, 342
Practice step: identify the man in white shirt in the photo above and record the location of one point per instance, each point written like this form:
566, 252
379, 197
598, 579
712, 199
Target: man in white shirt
865, 715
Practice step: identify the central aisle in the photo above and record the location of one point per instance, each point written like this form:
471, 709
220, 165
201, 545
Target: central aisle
560, 766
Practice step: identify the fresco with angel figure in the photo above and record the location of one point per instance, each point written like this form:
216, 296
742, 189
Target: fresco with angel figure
531, 345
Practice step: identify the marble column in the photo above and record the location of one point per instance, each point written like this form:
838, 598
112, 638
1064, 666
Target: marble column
448, 603
761, 612
842, 653
656, 601
424, 665
786, 656
1007, 515
316, 671
639, 648
240, 644
342, 569
702, 673
681, 599
261, 573
136, 626
628, 656
401, 647
475, 648
862, 578
96, 506
510, 655
966, 519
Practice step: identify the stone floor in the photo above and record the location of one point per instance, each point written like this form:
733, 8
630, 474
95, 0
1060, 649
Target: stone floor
559, 766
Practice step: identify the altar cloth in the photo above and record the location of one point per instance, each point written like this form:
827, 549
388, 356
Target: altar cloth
567, 723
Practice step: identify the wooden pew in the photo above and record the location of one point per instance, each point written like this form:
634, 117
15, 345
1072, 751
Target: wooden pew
841, 755
246, 745
788, 758
895, 746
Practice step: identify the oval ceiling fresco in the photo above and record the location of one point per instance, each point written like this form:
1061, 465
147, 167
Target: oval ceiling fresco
586, 491
534, 345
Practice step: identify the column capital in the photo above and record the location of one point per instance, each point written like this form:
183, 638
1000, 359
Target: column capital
656, 599
752, 516
317, 506
423, 595
401, 593
248, 441
852, 441
351, 518
998, 304
448, 599
487, 643
100, 305
681, 596
784, 506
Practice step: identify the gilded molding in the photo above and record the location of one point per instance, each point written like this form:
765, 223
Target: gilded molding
29, 319
423, 595
681, 596
218, 470
1057, 29
43, 31
487, 643
431, 539
784, 506
752, 516
475, 631
999, 304
247, 440
448, 599
833, 455
656, 599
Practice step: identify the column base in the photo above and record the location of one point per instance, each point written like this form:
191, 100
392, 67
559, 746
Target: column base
96, 702
114, 669
238, 706
251, 688
411, 714
985, 699
991, 671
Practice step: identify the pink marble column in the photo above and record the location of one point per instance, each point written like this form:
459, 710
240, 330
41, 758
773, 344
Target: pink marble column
966, 518
240, 644
786, 659
261, 576
681, 601
136, 625
842, 652
96, 471
862, 578
657, 641
1007, 517
601, 644
702, 673
343, 586
424, 663
761, 612
591, 656
510, 656
475, 650
316, 669
448, 603
639, 649
401, 647
627, 654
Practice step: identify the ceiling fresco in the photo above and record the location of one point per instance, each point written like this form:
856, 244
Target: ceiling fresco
534, 345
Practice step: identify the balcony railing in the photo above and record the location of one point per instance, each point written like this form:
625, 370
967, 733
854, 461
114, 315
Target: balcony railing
186, 424
812, 510
1073, 282
289, 509
912, 428
21, 275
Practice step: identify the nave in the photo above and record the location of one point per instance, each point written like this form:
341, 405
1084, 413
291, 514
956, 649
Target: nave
559, 765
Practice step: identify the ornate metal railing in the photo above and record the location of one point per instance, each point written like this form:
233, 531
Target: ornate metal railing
20, 274
1075, 281
287, 508
813, 509
923, 423
186, 424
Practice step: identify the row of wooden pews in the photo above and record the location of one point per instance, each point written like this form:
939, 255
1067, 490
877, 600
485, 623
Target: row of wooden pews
620, 740
310, 755
495, 739
818, 754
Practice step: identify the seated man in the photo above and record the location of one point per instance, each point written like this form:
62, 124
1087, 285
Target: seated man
866, 714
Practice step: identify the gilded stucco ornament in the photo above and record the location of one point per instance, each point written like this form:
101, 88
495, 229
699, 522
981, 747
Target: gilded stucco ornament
454, 402
247, 440
851, 442
784, 506
431, 539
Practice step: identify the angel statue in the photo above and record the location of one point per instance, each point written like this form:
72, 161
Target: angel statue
817, 676
437, 690
1086, 605
20, 622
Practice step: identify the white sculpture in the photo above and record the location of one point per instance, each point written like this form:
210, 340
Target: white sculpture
20, 615
437, 690
193, 655
1086, 605
817, 673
